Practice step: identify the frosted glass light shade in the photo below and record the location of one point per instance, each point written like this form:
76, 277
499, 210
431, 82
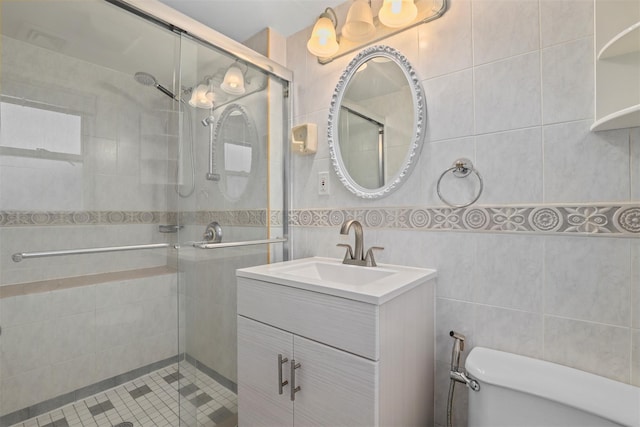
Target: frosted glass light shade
397, 13
323, 41
359, 25
233, 82
201, 97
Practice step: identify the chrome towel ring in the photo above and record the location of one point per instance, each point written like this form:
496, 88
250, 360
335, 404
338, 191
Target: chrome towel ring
461, 169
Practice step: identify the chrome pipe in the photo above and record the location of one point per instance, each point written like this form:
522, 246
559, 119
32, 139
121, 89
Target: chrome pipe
17, 257
206, 245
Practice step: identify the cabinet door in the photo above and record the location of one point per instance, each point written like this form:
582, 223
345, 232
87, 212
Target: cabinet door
259, 403
337, 389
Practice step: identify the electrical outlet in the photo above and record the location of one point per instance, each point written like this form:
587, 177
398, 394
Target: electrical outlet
323, 183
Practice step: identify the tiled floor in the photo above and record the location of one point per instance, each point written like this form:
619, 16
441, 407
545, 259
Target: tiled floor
151, 401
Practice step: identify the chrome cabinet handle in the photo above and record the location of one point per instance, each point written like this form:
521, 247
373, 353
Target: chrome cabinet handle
281, 384
294, 389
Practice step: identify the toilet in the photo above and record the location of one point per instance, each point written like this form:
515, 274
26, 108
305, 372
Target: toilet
521, 391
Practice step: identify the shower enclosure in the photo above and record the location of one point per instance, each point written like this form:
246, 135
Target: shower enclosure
124, 136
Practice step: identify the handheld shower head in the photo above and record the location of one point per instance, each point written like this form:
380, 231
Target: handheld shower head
207, 121
147, 79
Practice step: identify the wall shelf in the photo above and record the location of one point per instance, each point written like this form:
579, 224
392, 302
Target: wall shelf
627, 41
625, 118
617, 68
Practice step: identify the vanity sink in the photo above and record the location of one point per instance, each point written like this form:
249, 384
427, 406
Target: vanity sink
336, 273
374, 285
327, 343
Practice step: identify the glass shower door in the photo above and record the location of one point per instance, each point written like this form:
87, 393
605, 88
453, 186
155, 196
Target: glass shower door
86, 162
231, 149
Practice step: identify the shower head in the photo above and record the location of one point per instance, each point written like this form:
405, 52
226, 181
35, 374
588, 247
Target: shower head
147, 79
207, 121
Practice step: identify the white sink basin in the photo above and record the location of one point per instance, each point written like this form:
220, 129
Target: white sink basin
336, 273
374, 285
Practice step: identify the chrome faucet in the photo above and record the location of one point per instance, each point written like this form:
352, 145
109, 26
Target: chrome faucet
358, 256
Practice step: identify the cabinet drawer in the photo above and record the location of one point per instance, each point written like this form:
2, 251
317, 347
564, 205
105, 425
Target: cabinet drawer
342, 323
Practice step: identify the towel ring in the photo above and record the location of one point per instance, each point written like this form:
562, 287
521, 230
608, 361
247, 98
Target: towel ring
461, 169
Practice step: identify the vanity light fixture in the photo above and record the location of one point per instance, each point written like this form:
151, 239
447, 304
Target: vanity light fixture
233, 82
362, 28
202, 95
323, 41
359, 25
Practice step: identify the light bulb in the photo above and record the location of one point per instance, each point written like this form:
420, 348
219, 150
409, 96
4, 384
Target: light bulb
323, 41
397, 13
233, 82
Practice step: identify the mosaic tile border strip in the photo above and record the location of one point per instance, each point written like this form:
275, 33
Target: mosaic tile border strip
241, 217
571, 219
49, 218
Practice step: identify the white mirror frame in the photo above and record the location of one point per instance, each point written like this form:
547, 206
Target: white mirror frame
420, 120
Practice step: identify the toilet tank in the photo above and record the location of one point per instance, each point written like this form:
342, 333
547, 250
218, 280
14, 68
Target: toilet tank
521, 391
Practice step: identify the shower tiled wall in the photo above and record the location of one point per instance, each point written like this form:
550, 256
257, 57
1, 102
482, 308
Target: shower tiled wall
510, 86
76, 334
125, 145
71, 322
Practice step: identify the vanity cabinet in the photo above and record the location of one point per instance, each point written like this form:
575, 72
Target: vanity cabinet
617, 48
358, 363
336, 388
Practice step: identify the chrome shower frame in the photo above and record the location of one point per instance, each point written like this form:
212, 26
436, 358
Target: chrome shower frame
163, 15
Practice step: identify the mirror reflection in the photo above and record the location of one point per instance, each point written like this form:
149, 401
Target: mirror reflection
374, 130
236, 137
376, 122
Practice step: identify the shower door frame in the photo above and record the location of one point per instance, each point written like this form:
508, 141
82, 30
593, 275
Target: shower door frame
163, 15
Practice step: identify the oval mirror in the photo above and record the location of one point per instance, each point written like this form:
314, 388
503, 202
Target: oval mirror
237, 141
376, 122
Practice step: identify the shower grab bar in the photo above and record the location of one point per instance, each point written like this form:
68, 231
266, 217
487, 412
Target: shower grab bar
17, 257
206, 245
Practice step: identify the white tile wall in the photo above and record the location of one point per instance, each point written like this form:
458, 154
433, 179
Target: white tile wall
59, 341
568, 81
565, 20
592, 347
445, 44
635, 356
449, 105
509, 272
557, 298
504, 28
508, 330
588, 282
514, 157
507, 93
582, 166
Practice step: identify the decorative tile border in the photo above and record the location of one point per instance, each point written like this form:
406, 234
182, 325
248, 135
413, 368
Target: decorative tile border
576, 219
246, 217
620, 219
44, 218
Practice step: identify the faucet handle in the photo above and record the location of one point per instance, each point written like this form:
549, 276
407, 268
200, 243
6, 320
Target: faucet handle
369, 259
349, 253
